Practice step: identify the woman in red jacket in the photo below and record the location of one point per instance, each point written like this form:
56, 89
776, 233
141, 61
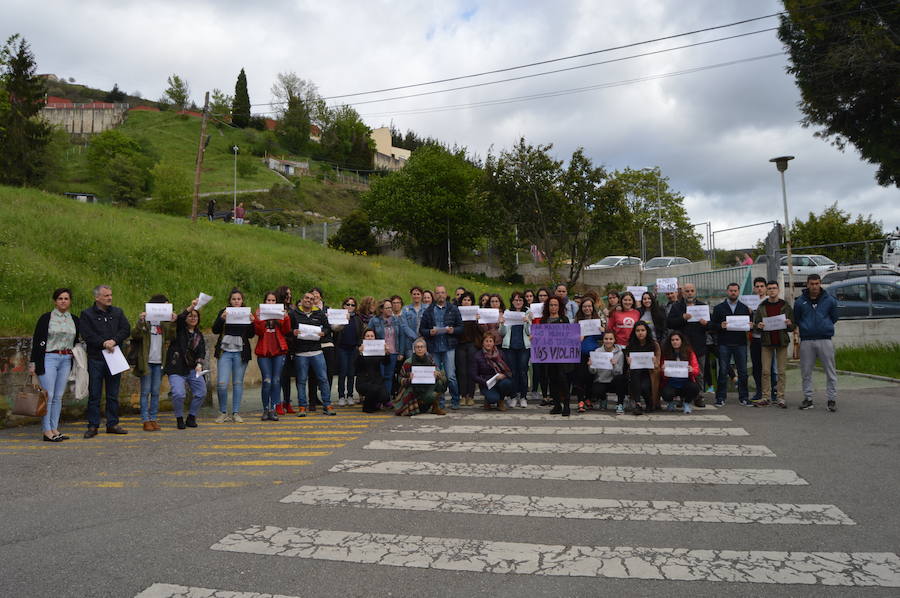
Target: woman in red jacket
678, 348
622, 321
270, 351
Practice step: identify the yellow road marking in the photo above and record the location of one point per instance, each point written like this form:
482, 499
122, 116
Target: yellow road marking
90, 484
205, 484
195, 472
263, 462
255, 454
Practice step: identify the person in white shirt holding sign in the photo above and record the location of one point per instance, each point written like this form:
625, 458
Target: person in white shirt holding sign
149, 343
680, 372
517, 348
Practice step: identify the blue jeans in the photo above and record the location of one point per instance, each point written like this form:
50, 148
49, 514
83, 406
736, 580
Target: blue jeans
517, 360
198, 390
739, 354
270, 368
53, 380
230, 368
346, 370
387, 372
317, 363
98, 377
502, 389
150, 390
446, 360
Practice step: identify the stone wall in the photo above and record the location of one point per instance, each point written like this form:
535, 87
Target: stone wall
85, 120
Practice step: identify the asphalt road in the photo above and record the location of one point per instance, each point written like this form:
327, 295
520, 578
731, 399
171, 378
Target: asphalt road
548, 506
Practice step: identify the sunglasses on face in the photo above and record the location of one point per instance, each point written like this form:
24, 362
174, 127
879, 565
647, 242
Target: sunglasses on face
350, 304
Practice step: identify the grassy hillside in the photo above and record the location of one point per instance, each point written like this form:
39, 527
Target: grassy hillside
50, 241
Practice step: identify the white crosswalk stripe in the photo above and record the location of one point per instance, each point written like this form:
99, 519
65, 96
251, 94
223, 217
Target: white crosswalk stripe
167, 590
573, 448
571, 430
476, 503
484, 556
665, 475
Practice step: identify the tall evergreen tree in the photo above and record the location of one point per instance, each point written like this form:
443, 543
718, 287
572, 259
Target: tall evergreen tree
24, 136
240, 109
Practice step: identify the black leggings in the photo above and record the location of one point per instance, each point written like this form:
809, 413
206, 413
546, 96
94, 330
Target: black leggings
641, 386
540, 378
558, 381
688, 392
616, 385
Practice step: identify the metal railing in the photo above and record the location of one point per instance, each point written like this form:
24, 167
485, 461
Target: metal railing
711, 285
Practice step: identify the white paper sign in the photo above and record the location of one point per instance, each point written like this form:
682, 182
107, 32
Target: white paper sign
423, 374
642, 360
591, 326
751, 301
666, 285
675, 369
488, 315
537, 310
203, 299
775, 323
271, 311
698, 312
492, 381
308, 332
638, 292
338, 317
200, 374
373, 348
513, 318
116, 361
601, 360
738, 323
237, 315
158, 312
468, 313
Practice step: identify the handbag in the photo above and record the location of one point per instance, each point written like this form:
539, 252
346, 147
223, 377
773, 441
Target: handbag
31, 400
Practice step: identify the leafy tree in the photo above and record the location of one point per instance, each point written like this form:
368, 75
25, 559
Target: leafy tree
293, 128
24, 136
433, 196
845, 56
220, 105
240, 106
115, 94
289, 86
247, 166
120, 165
346, 140
178, 92
834, 225
172, 189
354, 235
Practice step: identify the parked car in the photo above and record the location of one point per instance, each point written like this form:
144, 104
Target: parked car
807, 264
665, 261
614, 261
853, 298
857, 271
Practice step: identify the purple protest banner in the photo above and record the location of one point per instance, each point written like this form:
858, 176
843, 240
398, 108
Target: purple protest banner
555, 343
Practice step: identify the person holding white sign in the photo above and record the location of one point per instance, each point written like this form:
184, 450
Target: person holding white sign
104, 328
233, 353
347, 339
149, 344
185, 360
653, 315
540, 380
486, 320
642, 382
774, 344
680, 372
468, 343
612, 378
270, 350
389, 327
489, 365
420, 398
308, 354
369, 377
694, 328
516, 347
759, 290
732, 345
621, 321
582, 380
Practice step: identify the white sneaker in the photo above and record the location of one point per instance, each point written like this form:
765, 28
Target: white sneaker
510, 403
351, 400
236, 418
523, 402
223, 418
620, 409
341, 402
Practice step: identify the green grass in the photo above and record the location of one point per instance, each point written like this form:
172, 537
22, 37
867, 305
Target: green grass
881, 360
50, 241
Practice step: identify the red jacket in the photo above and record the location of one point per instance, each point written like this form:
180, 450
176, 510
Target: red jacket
693, 370
271, 334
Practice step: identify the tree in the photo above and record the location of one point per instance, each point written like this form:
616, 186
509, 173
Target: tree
178, 92
115, 94
289, 86
293, 128
240, 107
120, 165
220, 105
834, 225
354, 235
845, 56
172, 189
434, 196
346, 140
24, 136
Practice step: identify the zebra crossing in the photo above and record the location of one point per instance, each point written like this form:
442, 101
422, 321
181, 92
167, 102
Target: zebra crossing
407, 481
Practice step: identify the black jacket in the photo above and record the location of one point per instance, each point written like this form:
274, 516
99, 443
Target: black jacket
245, 331
39, 341
692, 329
187, 350
98, 326
316, 317
728, 337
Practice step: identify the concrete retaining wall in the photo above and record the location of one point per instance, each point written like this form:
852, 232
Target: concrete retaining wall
854, 333
85, 120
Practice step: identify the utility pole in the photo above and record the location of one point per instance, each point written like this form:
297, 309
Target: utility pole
201, 149
659, 210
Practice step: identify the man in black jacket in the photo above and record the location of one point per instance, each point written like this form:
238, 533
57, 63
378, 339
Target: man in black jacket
732, 344
694, 329
308, 353
103, 328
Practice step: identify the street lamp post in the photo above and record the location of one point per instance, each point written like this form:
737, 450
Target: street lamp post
234, 149
659, 210
781, 163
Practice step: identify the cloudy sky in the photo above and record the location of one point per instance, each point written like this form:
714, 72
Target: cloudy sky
711, 131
